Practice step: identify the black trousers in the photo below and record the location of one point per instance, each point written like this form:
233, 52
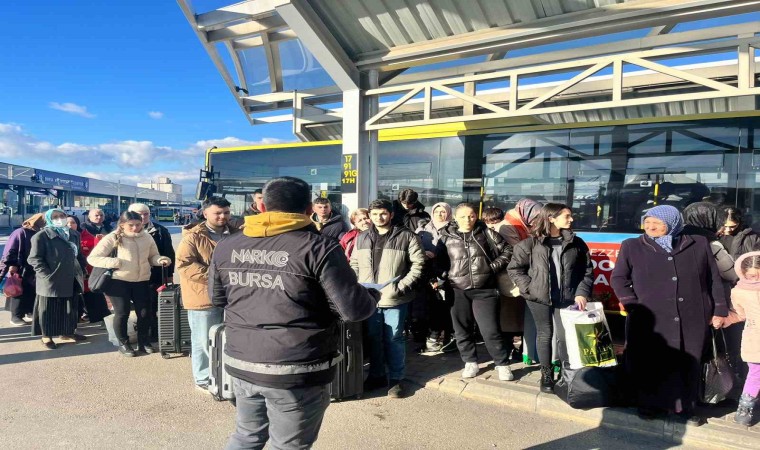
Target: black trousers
24, 304
123, 294
481, 306
439, 314
542, 316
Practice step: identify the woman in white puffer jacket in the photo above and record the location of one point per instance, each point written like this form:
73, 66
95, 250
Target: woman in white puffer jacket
135, 253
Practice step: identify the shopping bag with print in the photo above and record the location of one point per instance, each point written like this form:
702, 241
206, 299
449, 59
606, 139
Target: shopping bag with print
587, 336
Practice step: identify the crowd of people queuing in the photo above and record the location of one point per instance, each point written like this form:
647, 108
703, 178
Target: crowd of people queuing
451, 279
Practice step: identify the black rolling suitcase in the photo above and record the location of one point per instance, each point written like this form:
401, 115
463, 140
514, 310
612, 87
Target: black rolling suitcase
173, 327
219, 380
349, 380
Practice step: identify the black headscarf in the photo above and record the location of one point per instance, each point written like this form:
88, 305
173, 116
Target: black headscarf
702, 218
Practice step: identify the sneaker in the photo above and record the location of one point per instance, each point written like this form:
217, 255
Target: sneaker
28, 319
203, 388
470, 370
432, 345
396, 390
16, 322
505, 373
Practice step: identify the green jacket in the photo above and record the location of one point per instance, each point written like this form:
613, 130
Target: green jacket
402, 256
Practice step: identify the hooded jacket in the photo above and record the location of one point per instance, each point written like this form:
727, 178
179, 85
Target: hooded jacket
134, 259
742, 242
746, 305
402, 257
334, 228
284, 287
409, 218
472, 260
17, 249
530, 268
193, 259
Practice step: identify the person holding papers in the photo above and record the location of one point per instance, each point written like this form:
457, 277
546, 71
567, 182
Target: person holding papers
382, 253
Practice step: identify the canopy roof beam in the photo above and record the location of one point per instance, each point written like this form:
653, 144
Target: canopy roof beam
599, 21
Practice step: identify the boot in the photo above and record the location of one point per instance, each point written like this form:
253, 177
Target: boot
547, 379
744, 412
126, 349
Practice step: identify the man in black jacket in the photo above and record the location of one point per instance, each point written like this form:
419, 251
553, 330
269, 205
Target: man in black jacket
163, 240
284, 287
95, 223
255, 207
328, 222
408, 211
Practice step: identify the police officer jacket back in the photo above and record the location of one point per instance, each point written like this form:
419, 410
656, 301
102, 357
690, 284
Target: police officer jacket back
284, 287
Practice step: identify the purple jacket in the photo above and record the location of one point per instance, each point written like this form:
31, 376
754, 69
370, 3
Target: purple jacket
16, 253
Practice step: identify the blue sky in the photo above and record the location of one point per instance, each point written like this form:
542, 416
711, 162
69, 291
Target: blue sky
123, 90
80, 80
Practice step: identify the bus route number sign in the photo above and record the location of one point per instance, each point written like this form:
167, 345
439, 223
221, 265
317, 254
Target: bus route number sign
349, 174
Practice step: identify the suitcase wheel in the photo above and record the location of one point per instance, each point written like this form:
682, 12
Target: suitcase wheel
234, 402
165, 355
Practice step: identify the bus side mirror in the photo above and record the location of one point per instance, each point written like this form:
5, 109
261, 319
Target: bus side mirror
204, 190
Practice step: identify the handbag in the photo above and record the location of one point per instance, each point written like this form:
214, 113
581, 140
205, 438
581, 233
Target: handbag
100, 277
13, 286
717, 374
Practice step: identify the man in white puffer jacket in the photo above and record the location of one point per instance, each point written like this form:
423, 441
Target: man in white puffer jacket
131, 252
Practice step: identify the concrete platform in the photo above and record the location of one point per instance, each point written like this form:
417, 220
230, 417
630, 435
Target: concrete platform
441, 372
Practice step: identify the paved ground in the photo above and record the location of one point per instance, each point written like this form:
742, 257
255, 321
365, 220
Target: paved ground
87, 396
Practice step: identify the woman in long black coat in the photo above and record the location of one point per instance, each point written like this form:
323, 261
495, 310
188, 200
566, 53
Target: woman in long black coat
672, 291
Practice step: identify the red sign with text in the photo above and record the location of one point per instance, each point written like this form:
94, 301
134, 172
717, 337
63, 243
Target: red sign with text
604, 256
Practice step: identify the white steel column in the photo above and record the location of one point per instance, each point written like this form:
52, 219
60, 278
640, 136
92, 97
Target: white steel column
359, 149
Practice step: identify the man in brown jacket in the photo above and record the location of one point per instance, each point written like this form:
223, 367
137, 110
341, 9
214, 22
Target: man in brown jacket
193, 258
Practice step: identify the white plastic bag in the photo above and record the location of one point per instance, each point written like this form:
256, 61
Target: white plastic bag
131, 329
587, 337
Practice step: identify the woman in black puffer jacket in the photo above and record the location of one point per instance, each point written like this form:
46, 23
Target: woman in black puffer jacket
470, 256
553, 270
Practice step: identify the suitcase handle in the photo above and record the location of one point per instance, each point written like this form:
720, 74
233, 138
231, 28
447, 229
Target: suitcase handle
350, 356
164, 277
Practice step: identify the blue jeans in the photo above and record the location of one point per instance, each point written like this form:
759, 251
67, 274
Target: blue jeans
287, 418
200, 322
387, 342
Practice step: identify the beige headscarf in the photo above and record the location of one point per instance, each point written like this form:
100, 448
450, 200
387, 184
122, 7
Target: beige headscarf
35, 222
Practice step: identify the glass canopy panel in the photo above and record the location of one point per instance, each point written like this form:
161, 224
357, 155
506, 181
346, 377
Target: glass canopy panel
254, 63
300, 70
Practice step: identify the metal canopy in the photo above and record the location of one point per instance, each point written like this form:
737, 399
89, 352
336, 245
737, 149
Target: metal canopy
301, 55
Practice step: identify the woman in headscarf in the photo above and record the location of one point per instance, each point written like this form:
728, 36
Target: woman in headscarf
440, 299
57, 259
15, 261
518, 220
516, 227
672, 291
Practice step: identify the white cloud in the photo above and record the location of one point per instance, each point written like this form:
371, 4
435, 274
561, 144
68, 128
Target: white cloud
72, 108
132, 161
156, 115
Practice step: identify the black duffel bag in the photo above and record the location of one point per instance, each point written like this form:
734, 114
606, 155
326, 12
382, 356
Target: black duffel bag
588, 387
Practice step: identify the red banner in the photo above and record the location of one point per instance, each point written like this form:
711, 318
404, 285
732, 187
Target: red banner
604, 256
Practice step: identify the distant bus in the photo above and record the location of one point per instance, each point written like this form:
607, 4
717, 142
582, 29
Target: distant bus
165, 214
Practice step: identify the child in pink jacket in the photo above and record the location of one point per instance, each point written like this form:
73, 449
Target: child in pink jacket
746, 303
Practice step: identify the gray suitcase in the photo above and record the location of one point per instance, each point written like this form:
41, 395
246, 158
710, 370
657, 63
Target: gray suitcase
219, 380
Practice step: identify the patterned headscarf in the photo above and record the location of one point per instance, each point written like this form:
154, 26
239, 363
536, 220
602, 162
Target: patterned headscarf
63, 231
528, 210
672, 219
